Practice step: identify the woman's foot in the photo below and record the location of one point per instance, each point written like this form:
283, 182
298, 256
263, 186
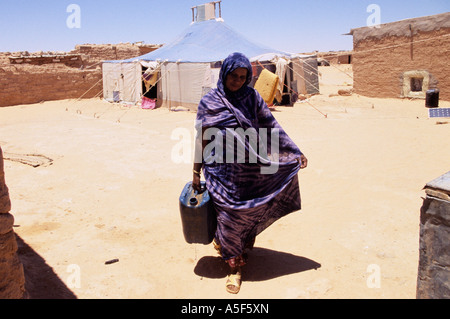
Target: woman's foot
217, 246
234, 281
237, 262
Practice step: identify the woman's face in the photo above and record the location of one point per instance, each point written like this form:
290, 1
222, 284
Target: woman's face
236, 79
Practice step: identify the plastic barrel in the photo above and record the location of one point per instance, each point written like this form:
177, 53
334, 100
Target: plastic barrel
432, 98
198, 216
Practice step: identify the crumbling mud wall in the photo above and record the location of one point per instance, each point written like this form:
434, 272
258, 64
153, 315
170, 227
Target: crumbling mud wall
94, 54
27, 78
12, 278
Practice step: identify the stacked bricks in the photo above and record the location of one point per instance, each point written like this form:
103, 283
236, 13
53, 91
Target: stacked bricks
12, 278
93, 54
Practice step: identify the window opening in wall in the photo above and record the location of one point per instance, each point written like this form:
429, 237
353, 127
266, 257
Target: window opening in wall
416, 84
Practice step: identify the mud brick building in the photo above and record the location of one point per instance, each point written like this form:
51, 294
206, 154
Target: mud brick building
403, 59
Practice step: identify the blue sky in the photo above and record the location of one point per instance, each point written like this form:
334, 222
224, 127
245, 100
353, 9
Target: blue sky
289, 25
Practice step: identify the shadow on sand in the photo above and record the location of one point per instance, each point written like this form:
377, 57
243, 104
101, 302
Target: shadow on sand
41, 282
263, 264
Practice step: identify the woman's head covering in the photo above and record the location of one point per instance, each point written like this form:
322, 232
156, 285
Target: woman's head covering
232, 62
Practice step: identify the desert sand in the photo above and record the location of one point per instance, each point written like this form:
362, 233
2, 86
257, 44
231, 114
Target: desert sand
92, 182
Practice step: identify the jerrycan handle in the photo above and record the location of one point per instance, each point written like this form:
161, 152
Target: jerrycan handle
193, 201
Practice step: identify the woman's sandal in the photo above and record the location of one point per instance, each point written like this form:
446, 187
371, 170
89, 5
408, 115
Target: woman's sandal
234, 281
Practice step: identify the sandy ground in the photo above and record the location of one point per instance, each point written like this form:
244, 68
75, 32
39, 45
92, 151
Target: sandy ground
109, 184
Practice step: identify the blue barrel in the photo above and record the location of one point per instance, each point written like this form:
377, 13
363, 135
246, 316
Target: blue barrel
198, 216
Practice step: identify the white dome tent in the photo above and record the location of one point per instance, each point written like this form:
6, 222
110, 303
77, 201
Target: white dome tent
182, 71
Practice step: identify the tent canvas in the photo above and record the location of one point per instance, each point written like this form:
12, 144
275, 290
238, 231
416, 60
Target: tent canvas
188, 66
122, 82
207, 41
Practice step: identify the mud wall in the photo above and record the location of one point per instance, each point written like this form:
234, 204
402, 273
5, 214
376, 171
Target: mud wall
380, 63
30, 78
25, 84
12, 278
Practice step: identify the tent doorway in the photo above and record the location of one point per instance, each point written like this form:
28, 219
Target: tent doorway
149, 88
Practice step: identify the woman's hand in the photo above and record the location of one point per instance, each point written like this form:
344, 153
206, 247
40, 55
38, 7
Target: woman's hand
303, 161
196, 182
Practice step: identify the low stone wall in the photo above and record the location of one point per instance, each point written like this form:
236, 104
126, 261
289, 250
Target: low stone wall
433, 280
12, 278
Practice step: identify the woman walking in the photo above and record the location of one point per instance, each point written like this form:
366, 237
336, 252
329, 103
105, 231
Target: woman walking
252, 182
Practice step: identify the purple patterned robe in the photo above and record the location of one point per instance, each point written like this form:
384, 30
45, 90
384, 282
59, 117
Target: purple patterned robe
247, 199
